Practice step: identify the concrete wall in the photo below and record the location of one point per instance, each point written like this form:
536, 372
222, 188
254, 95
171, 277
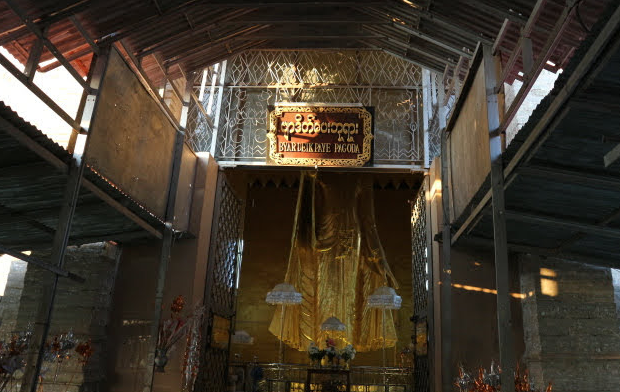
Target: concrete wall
572, 332
541, 88
474, 303
9, 302
83, 308
135, 290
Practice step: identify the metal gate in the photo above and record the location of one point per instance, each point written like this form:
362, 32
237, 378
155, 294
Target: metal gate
221, 288
421, 286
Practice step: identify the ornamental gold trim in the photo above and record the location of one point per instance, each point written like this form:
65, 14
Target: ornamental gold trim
361, 159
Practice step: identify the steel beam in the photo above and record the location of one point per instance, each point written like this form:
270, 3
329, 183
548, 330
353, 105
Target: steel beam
221, 75
426, 114
61, 238
449, 25
111, 236
306, 20
152, 21
279, 4
536, 68
35, 55
431, 259
612, 156
48, 19
171, 41
71, 57
541, 219
578, 236
500, 36
431, 40
527, 56
611, 262
382, 34
11, 217
301, 37
401, 56
42, 264
84, 34
500, 237
199, 50
80, 112
570, 176
48, 44
417, 33
447, 364
24, 79
166, 245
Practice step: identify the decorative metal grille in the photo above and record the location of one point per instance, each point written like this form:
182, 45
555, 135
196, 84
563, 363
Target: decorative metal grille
255, 80
223, 266
421, 286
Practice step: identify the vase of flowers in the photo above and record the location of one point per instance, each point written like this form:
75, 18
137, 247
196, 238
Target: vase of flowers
13, 354
347, 354
316, 355
171, 331
331, 351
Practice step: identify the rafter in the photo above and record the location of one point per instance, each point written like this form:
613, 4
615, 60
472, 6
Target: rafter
189, 54
381, 15
448, 24
409, 46
402, 56
200, 30
543, 219
610, 262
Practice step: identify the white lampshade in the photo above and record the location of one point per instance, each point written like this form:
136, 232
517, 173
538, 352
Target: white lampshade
384, 298
283, 294
333, 324
242, 337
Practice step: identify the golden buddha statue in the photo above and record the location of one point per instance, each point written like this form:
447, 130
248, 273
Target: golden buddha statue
336, 261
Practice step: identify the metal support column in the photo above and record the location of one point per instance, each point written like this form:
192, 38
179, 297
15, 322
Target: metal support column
430, 260
502, 279
427, 112
446, 270
35, 55
166, 245
63, 231
218, 108
436, 315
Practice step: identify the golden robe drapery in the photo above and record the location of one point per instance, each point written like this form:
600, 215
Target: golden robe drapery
336, 262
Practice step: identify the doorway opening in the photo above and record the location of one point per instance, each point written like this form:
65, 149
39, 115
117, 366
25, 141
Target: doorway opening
272, 203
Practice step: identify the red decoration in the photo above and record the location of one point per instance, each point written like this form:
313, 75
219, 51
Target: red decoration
85, 350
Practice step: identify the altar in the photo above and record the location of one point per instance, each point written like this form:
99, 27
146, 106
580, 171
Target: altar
328, 377
274, 377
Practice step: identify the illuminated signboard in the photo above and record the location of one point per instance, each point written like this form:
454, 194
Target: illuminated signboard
307, 135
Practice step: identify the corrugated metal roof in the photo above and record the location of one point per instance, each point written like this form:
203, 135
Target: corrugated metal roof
194, 34
32, 188
561, 199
